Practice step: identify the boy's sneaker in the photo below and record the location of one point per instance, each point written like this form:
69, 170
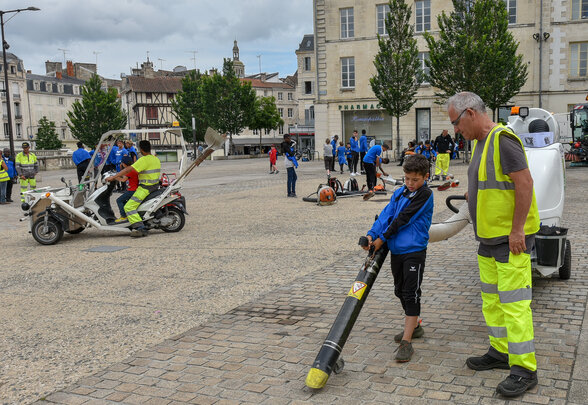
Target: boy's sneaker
515, 385
121, 220
417, 333
404, 352
139, 232
486, 362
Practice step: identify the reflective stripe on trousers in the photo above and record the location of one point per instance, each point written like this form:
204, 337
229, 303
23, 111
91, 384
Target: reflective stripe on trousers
133, 203
24, 186
506, 296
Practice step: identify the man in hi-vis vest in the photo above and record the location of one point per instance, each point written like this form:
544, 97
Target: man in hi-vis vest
504, 213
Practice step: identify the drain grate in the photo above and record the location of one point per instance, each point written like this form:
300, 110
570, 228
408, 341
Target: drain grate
286, 315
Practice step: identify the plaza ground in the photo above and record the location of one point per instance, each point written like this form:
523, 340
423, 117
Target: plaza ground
234, 308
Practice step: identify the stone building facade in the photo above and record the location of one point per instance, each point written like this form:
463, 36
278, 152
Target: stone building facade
553, 39
19, 108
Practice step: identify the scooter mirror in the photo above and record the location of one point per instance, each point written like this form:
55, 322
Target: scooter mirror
63, 181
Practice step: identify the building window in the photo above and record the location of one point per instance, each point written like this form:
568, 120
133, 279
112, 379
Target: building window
19, 131
347, 73
6, 129
347, 29
423, 124
148, 96
265, 93
307, 87
151, 112
15, 90
281, 112
307, 63
63, 131
290, 97
280, 96
280, 130
76, 90
61, 101
579, 9
424, 56
423, 15
309, 116
578, 59
36, 86
290, 112
511, 8
381, 11
17, 112
12, 70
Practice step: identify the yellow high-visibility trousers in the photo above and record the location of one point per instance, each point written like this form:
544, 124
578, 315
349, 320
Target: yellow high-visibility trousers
24, 186
506, 296
133, 203
442, 164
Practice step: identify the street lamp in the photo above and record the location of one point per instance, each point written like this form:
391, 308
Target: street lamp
5, 46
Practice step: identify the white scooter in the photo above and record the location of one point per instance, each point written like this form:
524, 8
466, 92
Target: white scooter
71, 209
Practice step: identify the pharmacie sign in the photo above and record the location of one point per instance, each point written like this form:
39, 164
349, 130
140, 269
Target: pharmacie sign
368, 106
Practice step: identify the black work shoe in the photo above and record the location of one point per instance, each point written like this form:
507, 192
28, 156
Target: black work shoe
139, 232
486, 362
416, 333
404, 352
515, 385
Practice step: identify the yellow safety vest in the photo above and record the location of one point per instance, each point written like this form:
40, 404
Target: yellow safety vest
496, 192
149, 168
25, 161
3, 174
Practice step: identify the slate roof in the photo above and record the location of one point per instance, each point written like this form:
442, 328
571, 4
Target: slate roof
307, 43
66, 79
256, 83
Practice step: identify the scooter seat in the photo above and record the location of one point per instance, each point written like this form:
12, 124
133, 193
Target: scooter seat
154, 194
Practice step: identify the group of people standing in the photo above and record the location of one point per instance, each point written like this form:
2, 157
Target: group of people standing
23, 167
439, 152
351, 154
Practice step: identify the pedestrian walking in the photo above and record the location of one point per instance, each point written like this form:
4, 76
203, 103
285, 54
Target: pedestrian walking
9, 160
290, 163
27, 167
328, 156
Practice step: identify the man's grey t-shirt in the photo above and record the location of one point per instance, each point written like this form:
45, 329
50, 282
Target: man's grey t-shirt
512, 159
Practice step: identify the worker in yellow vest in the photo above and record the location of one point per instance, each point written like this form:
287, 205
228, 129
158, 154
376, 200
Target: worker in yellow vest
4, 180
27, 167
504, 213
148, 167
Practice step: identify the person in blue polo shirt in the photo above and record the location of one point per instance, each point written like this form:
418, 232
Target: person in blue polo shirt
363, 149
371, 162
81, 158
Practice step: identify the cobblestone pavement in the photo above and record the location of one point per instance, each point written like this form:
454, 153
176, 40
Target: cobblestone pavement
260, 352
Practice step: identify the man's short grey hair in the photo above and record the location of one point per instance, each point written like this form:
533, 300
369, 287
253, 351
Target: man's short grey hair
466, 99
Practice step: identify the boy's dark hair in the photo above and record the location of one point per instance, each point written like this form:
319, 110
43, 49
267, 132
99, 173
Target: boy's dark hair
427, 142
80, 145
363, 131
385, 145
145, 146
416, 164
385, 161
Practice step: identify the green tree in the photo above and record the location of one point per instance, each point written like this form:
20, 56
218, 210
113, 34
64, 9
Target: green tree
476, 52
229, 103
189, 103
398, 68
266, 116
98, 112
47, 137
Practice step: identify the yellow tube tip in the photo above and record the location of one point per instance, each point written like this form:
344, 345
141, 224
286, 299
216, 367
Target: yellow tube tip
316, 378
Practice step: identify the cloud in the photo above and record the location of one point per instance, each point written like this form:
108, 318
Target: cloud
124, 30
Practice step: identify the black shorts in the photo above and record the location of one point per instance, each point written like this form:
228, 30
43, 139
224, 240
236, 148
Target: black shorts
408, 270
328, 162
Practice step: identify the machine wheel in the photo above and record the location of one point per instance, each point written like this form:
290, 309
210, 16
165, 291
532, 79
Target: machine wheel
339, 365
49, 235
76, 231
565, 271
178, 217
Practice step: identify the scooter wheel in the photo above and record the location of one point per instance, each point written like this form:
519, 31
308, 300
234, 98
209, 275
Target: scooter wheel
47, 235
178, 220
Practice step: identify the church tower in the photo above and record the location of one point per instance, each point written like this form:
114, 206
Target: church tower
238, 66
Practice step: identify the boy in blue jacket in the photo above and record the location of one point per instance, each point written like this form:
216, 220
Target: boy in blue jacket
404, 226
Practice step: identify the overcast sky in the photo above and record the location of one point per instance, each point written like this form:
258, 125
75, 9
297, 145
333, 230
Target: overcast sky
120, 32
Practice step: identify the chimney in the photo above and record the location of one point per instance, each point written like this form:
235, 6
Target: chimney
70, 69
262, 77
59, 75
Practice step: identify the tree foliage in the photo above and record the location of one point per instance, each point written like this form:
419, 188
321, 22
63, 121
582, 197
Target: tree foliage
228, 103
189, 103
398, 68
47, 137
266, 116
98, 112
476, 52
